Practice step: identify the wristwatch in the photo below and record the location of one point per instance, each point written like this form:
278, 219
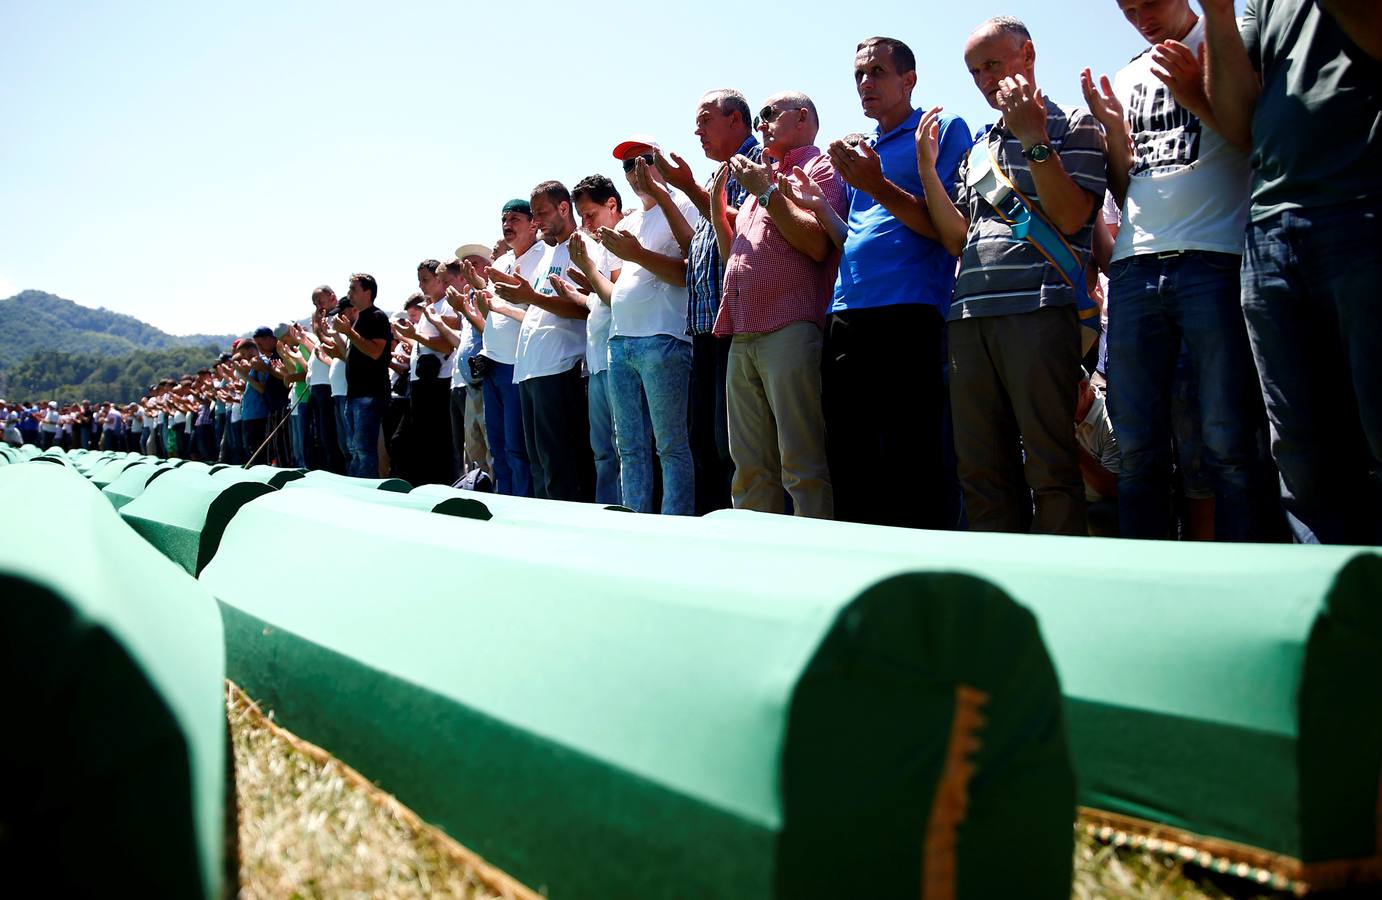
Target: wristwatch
1038, 153
767, 195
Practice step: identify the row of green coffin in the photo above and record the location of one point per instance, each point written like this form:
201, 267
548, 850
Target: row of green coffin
602, 730
1233, 692
116, 759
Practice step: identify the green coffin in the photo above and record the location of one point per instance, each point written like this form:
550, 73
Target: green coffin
526, 508
324, 478
270, 475
1232, 693
132, 482
114, 756
610, 715
103, 476
469, 508
184, 513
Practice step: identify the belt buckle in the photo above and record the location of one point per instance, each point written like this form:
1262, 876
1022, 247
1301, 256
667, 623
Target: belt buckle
1171, 254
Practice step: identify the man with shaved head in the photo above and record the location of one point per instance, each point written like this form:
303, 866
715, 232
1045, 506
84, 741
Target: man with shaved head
1027, 194
780, 267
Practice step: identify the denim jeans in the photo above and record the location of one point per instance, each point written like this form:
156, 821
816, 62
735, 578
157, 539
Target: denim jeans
651, 376
504, 428
1310, 280
365, 414
298, 437
340, 407
602, 441
1155, 305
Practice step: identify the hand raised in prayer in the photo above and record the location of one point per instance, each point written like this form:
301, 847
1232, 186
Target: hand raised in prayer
675, 170
645, 182
1103, 105
801, 190
580, 253
474, 277
621, 244
858, 166
567, 290
1024, 110
1182, 70
755, 177
928, 139
513, 288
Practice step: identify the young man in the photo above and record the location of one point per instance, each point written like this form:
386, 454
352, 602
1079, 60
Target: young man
503, 320
1014, 330
429, 393
883, 374
649, 349
1299, 86
599, 205
1173, 278
367, 373
780, 267
551, 357
724, 128
465, 327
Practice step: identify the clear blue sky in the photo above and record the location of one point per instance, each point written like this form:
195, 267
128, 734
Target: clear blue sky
203, 167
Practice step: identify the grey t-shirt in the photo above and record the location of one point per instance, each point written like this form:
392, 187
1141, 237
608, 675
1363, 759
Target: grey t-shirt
1317, 130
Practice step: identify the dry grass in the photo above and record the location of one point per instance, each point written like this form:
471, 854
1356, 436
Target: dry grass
310, 827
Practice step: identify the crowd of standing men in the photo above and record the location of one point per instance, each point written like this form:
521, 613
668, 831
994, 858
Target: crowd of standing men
1162, 300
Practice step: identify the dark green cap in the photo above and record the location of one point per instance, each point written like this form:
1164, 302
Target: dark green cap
517, 205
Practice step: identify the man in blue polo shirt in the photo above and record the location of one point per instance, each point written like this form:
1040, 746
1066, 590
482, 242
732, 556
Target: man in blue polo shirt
883, 375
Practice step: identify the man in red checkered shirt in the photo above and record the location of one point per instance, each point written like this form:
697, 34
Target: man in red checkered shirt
779, 273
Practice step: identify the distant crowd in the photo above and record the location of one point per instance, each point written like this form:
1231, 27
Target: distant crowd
1152, 314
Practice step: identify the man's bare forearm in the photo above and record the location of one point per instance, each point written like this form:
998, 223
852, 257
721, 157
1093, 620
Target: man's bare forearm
1232, 84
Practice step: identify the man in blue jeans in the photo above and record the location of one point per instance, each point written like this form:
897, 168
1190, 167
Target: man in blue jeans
1183, 189
503, 321
649, 348
367, 374
1299, 83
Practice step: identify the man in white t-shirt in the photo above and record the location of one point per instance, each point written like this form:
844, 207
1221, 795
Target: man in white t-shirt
430, 459
499, 345
1174, 274
599, 205
649, 348
550, 367
464, 328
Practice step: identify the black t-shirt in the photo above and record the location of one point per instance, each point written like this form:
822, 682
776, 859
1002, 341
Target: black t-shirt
367, 377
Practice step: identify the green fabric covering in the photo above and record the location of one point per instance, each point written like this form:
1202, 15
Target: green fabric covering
447, 506
102, 476
115, 748
600, 720
526, 508
132, 482
184, 513
1234, 691
270, 475
324, 478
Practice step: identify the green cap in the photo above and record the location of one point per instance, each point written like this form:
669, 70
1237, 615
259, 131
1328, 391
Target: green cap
517, 205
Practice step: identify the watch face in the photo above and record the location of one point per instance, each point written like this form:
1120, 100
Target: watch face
1039, 153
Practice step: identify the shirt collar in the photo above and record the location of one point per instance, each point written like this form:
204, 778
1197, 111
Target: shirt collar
798, 157
749, 143
910, 124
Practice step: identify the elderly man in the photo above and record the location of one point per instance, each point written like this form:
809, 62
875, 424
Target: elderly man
723, 125
1027, 194
780, 268
1299, 86
883, 376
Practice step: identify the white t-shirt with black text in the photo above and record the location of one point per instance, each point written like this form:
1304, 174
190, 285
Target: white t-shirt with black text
1189, 186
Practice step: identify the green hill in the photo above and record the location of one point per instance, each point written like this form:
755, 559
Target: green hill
54, 349
34, 321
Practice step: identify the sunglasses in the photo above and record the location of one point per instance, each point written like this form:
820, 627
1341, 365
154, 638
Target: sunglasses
766, 115
632, 161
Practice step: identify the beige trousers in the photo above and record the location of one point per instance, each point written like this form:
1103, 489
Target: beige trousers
776, 429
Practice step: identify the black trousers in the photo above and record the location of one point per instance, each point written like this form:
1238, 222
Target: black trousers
324, 450
709, 423
883, 391
556, 430
430, 457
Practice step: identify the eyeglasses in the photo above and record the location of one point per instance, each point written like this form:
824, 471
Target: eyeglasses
766, 115
632, 161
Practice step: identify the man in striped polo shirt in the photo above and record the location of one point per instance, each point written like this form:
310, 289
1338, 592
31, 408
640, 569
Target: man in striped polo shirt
1013, 325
